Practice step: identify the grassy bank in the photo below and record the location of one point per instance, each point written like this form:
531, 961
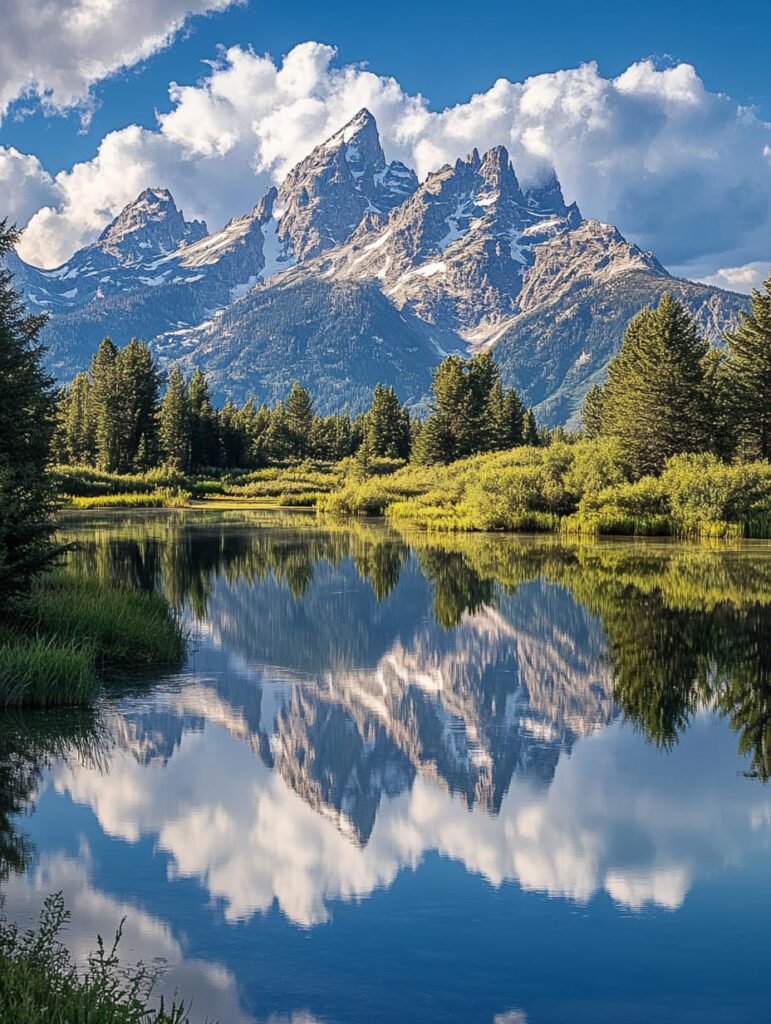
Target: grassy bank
298, 485
40, 982
579, 488
583, 488
71, 632
292, 485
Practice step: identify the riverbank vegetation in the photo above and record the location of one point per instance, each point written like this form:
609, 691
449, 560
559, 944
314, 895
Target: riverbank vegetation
39, 980
69, 633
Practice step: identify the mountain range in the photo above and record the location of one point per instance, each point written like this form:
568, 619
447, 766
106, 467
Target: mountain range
354, 272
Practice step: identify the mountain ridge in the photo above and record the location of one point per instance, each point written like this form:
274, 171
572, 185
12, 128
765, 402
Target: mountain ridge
351, 271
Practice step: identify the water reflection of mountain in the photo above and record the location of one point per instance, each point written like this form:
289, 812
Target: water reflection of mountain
370, 693
355, 703
351, 660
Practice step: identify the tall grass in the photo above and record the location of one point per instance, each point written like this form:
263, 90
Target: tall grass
39, 982
123, 627
166, 498
72, 631
41, 671
83, 481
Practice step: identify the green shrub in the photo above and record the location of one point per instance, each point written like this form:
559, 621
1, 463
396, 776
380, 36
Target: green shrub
40, 982
702, 490
596, 465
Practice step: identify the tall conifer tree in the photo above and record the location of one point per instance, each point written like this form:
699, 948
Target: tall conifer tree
106, 402
655, 399
203, 423
299, 418
175, 421
749, 374
26, 427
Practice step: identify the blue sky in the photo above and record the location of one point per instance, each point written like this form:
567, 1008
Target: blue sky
76, 93
446, 52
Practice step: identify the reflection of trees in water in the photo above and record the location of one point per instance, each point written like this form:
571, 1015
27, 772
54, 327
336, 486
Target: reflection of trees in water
30, 742
183, 557
687, 630
687, 625
670, 663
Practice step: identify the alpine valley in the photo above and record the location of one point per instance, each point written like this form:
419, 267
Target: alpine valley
354, 272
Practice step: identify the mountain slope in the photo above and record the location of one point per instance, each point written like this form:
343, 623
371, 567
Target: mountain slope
575, 304
341, 338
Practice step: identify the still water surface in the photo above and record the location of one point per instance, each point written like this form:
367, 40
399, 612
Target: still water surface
476, 779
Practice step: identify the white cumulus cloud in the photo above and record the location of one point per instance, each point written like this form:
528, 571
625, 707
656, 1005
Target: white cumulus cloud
57, 51
677, 168
741, 279
251, 841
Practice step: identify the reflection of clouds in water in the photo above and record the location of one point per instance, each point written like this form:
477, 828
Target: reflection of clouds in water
510, 1017
211, 987
618, 816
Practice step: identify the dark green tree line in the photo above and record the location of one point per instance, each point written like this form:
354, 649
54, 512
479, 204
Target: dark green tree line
471, 413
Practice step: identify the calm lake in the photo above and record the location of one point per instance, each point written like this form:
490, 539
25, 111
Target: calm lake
486, 780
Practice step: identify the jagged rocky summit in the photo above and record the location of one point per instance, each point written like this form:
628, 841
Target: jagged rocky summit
353, 272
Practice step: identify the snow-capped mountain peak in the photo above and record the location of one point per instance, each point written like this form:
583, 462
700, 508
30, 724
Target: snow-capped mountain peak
456, 251
325, 197
150, 224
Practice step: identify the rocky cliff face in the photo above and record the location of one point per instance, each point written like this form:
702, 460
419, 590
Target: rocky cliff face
455, 253
324, 199
351, 272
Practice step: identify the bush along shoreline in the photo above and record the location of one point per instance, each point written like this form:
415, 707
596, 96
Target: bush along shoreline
70, 634
39, 980
578, 488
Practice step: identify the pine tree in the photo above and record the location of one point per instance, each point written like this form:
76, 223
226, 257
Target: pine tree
388, 424
452, 435
462, 391
514, 418
364, 458
654, 399
432, 442
26, 426
299, 418
80, 426
483, 377
60, 451
322, 440
106, 402
204, 441
342, 436
591, 414
174, 421
230, 436
530, 434
749, 375
138, 389
495, 427
278, 438
720, 416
